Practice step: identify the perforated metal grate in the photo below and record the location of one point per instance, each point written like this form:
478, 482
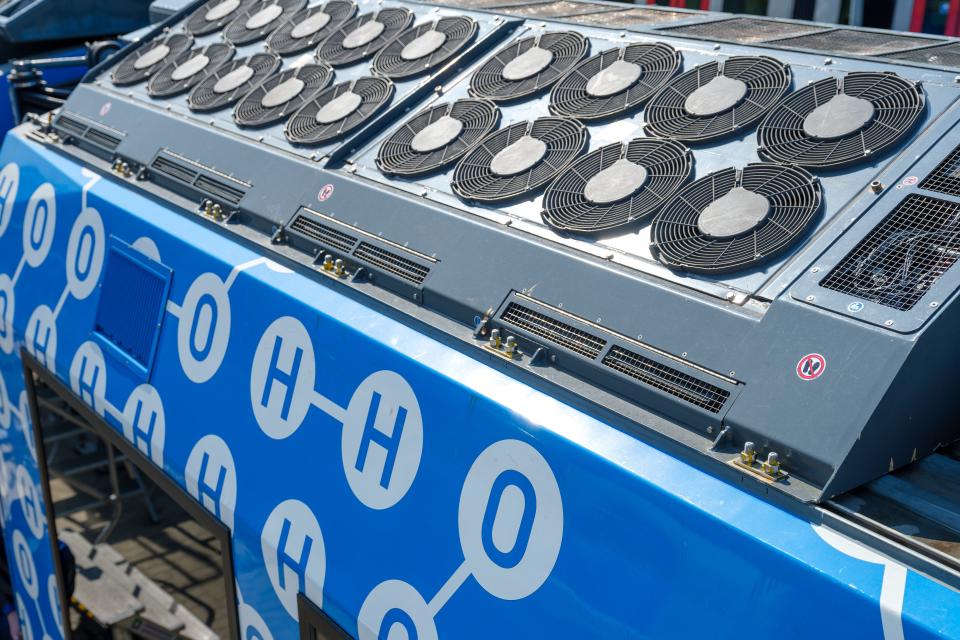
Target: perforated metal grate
946, 177
745, 30
173, 169
667, 379
560, 333
559, 9
865, 43
325, 235
391, 262
219, 189
947, 55
904, 256
628, 17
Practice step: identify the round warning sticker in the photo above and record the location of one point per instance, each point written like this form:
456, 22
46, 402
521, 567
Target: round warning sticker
811, 366
325, 192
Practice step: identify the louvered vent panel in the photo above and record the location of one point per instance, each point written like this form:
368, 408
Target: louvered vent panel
947, 55
71, 126
551, 330
667, 379
102, 139
173, 169
327, 236
392, 263
220, 189
867, 43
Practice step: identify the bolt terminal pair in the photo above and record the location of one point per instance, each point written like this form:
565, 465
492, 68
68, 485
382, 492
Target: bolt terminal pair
496, 342
770, 466
336, 267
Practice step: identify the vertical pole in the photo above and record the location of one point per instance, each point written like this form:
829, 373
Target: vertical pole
916, 18
902, 10
953, 19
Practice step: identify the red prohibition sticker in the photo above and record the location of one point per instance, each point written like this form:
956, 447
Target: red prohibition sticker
105, 108
325, 192
811, 366
909, 181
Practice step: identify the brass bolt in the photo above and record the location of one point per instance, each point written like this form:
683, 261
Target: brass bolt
338, 267
771, 466
328, 262
495, 339
511, 346
749, 454
217, 212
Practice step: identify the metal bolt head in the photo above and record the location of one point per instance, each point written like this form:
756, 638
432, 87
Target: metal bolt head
327, 262
888, 323
810, 298
749, 447
815, 270
876, 186
773, 458
934, 304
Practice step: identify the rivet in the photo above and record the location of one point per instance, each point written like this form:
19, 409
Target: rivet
810, 298
888, 323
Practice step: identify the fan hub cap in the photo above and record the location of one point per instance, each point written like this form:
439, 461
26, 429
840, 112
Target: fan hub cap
737, 212
233, 80
436, 135
283, 93
339, 108
617, 182
221, 10
616, 78
152, 57
518, 157
264, 17
191, 67
527, 64
719, 95
423, 45
840, 116
364, 34
311, 25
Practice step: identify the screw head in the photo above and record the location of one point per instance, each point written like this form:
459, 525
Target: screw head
810, 298
934, 304
888, 323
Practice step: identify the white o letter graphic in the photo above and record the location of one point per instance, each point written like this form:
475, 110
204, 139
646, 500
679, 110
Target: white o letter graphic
9, 182
85, 249
39, 224
203, 330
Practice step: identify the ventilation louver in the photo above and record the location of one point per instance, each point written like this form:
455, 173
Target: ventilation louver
528, 66
437, 137
338, 110
309, 27
213, 15
189, 68
258, 20
836, 122
745, 30
614, 82
946, 177
717, 99
231, 81
519, 159
149, 58
281, 94
731, 220
898, 262
424, 47
616, 185
361, 37
554, 331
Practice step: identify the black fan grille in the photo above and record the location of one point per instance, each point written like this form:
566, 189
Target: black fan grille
904, 256
897, 105
198, 25
303, 127
473, 178
127, 72
565, 207
204, 97
390, 64
237, 31
251, 112
767, 80
567, 47
569, 96
283, 42
794, 198
333, 52
164, 84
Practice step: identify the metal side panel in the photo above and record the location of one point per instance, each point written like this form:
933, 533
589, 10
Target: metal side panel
425, 480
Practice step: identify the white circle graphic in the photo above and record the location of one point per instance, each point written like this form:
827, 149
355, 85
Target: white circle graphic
9, 182
53, 593
6, 313
5, 409
203, 329
382, 440
143, 422
26, 627
30, 501
39, 224
85, 250
26, 569
88, 375
41, 336
211, 477
282, 378
395, 610
147, 247
510, 519
293, 554
252, 626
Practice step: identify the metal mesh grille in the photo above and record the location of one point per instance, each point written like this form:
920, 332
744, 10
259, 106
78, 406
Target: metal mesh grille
667, 379
746, 30
397, 265
947, 55
856, 42
102, 139
326, 236
904, 256
569, 337
558, 9
70, 125
173, 169
946, 177
219, 189
628, 17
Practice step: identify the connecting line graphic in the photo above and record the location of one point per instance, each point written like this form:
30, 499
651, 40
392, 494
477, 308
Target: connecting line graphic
175, 309
450, 587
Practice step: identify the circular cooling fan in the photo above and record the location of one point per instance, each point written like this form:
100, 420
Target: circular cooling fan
616, 185
149, 58
614, 81
309, 27
836, 122
231, 81
436, 137
717, 99
423, 47
213, 15
189, 68
338, 110
519, 159
258, 20
281, 94
526, 67
363, 36
733, 219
